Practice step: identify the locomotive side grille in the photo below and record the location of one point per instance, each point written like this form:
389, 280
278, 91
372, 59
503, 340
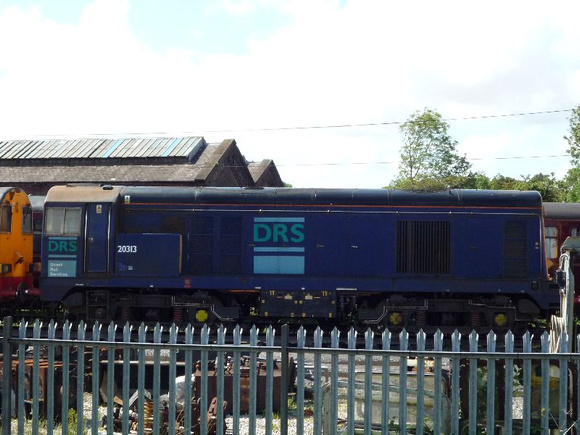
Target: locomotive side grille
202, 245
515, 242
216, 245
423, 247
231, 246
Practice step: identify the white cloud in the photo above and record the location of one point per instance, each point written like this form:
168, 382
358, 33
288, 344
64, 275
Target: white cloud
239, 7
365, 62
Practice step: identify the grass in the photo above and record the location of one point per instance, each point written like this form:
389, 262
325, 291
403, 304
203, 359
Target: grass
58, 428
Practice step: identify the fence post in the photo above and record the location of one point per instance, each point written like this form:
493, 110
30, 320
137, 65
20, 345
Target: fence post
284, 380
472, 389
6, 376
300, 377
563, 390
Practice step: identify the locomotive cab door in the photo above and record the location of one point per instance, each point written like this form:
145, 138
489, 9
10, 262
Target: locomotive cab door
97, 238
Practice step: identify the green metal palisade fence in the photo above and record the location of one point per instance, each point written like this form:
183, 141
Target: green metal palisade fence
437, 384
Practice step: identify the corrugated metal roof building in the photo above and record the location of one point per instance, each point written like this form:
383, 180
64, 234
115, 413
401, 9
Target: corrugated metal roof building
35, 166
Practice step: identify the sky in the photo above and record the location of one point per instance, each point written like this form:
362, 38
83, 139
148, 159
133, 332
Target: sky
318, 86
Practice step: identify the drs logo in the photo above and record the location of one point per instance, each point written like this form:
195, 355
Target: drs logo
279, 245
278, 232
62, 257
62, 245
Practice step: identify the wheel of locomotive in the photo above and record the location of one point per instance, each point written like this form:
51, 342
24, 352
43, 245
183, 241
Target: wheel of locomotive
23, 294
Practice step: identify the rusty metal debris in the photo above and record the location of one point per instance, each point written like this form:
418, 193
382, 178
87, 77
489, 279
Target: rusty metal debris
196, 388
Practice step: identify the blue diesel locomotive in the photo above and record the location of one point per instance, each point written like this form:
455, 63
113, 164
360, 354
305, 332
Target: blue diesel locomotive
370, 257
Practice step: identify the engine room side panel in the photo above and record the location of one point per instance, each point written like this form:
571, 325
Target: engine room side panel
148, 255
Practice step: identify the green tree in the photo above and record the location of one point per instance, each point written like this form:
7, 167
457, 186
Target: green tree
571, 185
429, 158
571, 182
478, 180
550, 188
501, 182
573, 138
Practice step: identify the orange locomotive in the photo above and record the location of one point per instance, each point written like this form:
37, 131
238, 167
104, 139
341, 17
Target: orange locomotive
16, 262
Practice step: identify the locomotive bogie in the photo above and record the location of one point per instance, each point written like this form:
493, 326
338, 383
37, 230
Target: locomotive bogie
448, 312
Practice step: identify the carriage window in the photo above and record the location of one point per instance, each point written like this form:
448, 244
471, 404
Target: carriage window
574, 232
61, 221
26, 220
551, 236
5, 218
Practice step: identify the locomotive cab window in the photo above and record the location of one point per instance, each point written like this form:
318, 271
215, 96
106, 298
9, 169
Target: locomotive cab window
5, 218
63, 221
27, 220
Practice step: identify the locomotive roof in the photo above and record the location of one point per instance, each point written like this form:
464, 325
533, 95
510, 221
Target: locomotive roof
294, 196
82, 193
562, 210
6, 190
37, 201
